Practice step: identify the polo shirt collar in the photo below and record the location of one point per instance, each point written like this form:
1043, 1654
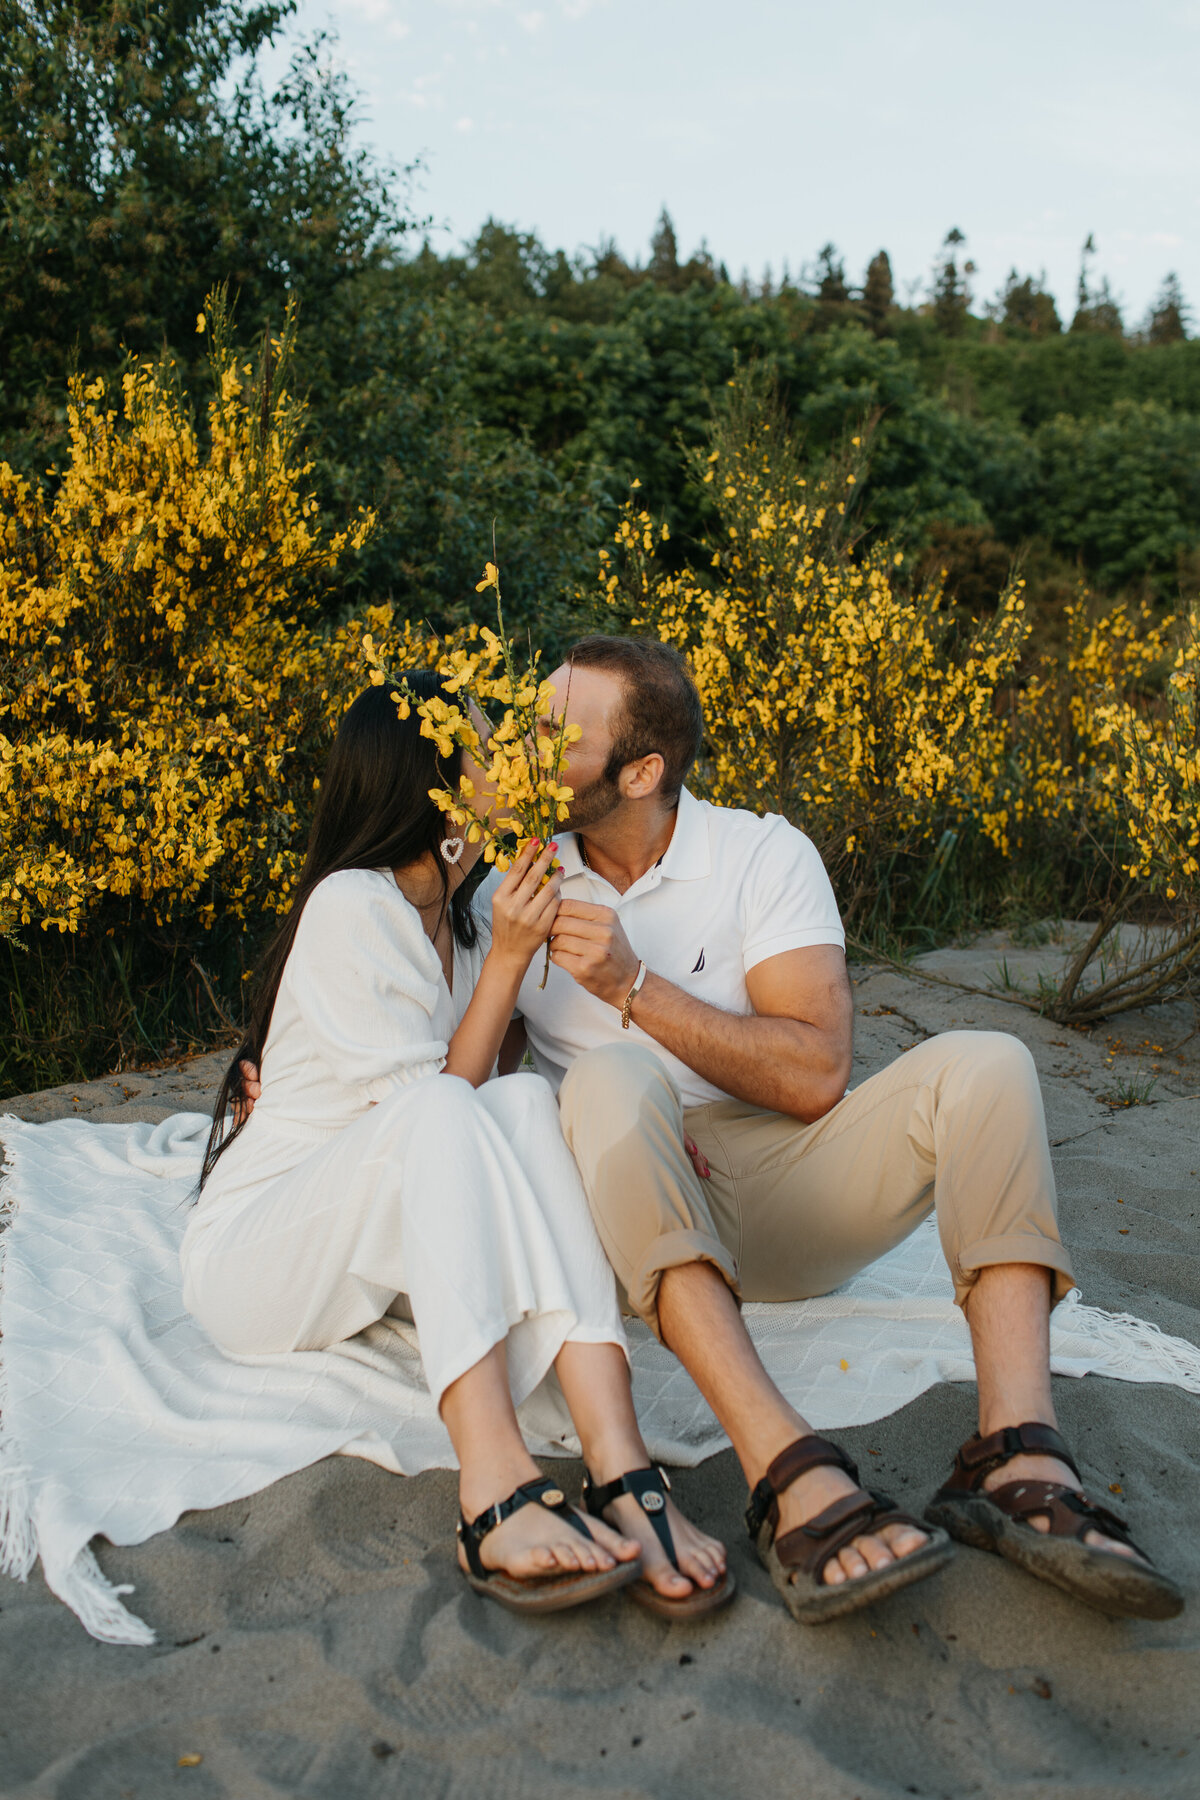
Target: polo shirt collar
686, 857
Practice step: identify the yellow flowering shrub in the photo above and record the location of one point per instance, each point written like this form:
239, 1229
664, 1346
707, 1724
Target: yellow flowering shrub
1123, 800
1158, 775
902, 740
1061, 782
163, 703
832, 694
168, 692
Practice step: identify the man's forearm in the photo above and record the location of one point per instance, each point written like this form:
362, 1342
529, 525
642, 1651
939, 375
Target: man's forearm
780, 1064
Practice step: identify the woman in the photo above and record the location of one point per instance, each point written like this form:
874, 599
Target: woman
385, 1169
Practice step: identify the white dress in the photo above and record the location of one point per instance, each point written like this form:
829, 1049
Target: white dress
366, 1181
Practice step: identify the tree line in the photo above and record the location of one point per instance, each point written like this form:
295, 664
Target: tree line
143, 160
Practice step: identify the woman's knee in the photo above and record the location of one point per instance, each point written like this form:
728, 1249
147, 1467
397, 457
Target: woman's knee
440, 1102
518, 1103
520, 1092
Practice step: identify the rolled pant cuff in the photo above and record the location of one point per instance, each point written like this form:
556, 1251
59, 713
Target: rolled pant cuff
1018, 1247
672, 1251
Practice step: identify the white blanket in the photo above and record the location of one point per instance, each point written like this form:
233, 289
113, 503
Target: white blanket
117, 1414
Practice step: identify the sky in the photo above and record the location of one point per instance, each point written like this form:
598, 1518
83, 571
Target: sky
771, 127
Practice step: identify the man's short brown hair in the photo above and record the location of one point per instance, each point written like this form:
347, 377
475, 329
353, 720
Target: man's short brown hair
661, 708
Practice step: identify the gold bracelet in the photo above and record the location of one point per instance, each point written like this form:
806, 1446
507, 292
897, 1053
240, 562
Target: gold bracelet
631, 996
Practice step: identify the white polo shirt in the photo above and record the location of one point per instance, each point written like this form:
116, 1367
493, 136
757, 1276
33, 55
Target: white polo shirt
730, 890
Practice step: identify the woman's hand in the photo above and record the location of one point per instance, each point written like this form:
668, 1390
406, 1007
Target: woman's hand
522, 916
244, 1102
523, 910
696, 1157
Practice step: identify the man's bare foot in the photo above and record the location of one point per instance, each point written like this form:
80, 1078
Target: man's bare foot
811, 1494
1048, 1468
534, 1542
701, 1558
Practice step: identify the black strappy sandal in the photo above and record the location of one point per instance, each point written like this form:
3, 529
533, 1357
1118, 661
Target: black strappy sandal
541, 1593
796, 1561
650, 1488
1000, 1519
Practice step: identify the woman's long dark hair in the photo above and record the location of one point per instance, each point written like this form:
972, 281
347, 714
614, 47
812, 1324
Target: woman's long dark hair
373, 812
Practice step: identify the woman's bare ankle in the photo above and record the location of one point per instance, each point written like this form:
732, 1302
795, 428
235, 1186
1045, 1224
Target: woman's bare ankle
485, 1480
608, 1457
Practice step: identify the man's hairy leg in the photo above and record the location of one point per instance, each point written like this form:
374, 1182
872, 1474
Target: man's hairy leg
1008, 1312
700, 1322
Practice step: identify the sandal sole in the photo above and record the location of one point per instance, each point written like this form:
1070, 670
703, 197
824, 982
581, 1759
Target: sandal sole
694, 1606
1099, 1578
553, 1593
817, 1603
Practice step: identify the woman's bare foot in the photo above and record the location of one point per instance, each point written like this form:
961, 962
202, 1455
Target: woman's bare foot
534, 1542
811, 1494
1048, 1468
701, 1558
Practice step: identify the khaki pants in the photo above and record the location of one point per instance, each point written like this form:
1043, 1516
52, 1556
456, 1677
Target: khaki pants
792, 1210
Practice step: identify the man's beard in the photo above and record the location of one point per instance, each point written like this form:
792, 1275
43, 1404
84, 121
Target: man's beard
597, 801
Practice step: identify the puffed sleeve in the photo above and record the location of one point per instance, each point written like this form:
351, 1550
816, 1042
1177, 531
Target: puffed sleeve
365, 980
786, 898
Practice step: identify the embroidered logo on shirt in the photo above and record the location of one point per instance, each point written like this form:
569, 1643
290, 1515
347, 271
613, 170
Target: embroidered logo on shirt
699, 964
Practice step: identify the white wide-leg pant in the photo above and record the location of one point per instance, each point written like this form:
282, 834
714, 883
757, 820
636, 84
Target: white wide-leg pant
466, 1201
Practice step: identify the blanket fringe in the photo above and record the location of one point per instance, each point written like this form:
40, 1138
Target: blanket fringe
18, 1542
94, 1600
1128, 1348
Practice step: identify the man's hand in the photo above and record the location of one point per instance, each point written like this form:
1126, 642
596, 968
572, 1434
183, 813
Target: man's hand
243, 1106
590, 944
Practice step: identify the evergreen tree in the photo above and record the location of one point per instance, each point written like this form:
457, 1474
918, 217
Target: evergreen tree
700, 267
951, 295
1026, 308
1170, 314
1096, 309
878, 295
664, 253
831, 277
510, 270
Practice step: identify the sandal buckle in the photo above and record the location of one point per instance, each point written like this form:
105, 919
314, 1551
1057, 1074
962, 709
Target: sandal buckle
759, 1507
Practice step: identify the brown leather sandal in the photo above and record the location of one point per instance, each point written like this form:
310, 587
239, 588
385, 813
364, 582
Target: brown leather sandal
797, 1560
1000, 1520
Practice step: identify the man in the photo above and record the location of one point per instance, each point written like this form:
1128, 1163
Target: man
697, 1022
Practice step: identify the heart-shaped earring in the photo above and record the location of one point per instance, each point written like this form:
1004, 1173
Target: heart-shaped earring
452, 848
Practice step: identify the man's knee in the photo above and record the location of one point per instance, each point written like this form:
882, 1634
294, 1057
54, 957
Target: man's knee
991, 1058
987, 1081
613, 1083
998, 1059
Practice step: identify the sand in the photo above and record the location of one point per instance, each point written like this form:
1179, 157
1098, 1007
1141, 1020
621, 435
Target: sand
316, 1640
